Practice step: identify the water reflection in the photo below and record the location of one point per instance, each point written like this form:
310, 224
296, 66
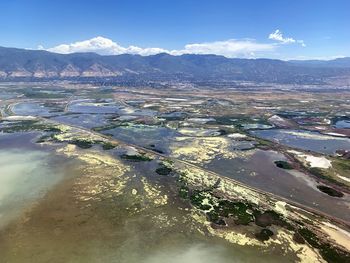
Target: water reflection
305, 140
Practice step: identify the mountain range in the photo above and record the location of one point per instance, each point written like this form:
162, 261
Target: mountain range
23, 64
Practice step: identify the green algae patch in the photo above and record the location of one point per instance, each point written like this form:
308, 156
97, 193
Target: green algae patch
242, 212
263, 144
81, 143
29, 125
216, 210
330, 191
200, 200
86, 144
45, 138
283, 165
108, 146
184, 192
136, 158
163, 170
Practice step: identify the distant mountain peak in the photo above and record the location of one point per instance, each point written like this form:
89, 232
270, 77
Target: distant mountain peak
18, 64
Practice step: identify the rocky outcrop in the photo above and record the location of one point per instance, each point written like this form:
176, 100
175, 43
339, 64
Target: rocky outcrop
20, 73
70, 71
97, 70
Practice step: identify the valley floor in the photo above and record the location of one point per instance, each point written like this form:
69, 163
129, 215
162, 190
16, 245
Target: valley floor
113, 174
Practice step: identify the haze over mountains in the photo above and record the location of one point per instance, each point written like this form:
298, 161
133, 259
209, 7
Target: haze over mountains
20, 64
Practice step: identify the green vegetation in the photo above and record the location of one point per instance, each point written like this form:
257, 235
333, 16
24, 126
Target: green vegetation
136, 158
330, 191
109, 126
163, 170
29, 125
30, 93
223, 120
168, 161
108, 146
341, 167
242, 212
262, 143
183, 192
84, 144
284, 165
319, 172
324, 174
53, 129
45, 138
197, 199
217, 209
328, 252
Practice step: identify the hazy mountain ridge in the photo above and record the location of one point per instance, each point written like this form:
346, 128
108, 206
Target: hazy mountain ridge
38, 64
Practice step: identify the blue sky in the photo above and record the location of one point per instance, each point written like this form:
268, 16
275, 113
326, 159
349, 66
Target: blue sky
307, 28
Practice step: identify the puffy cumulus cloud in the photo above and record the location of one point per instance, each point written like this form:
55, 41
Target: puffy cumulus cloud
105, 46
278, 36
248, 48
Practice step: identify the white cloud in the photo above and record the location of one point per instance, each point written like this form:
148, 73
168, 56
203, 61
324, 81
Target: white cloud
314, 57
228, 48
301, 42
103, 46
278, 36
248, 48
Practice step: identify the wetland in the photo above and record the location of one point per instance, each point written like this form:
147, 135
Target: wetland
139, 174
